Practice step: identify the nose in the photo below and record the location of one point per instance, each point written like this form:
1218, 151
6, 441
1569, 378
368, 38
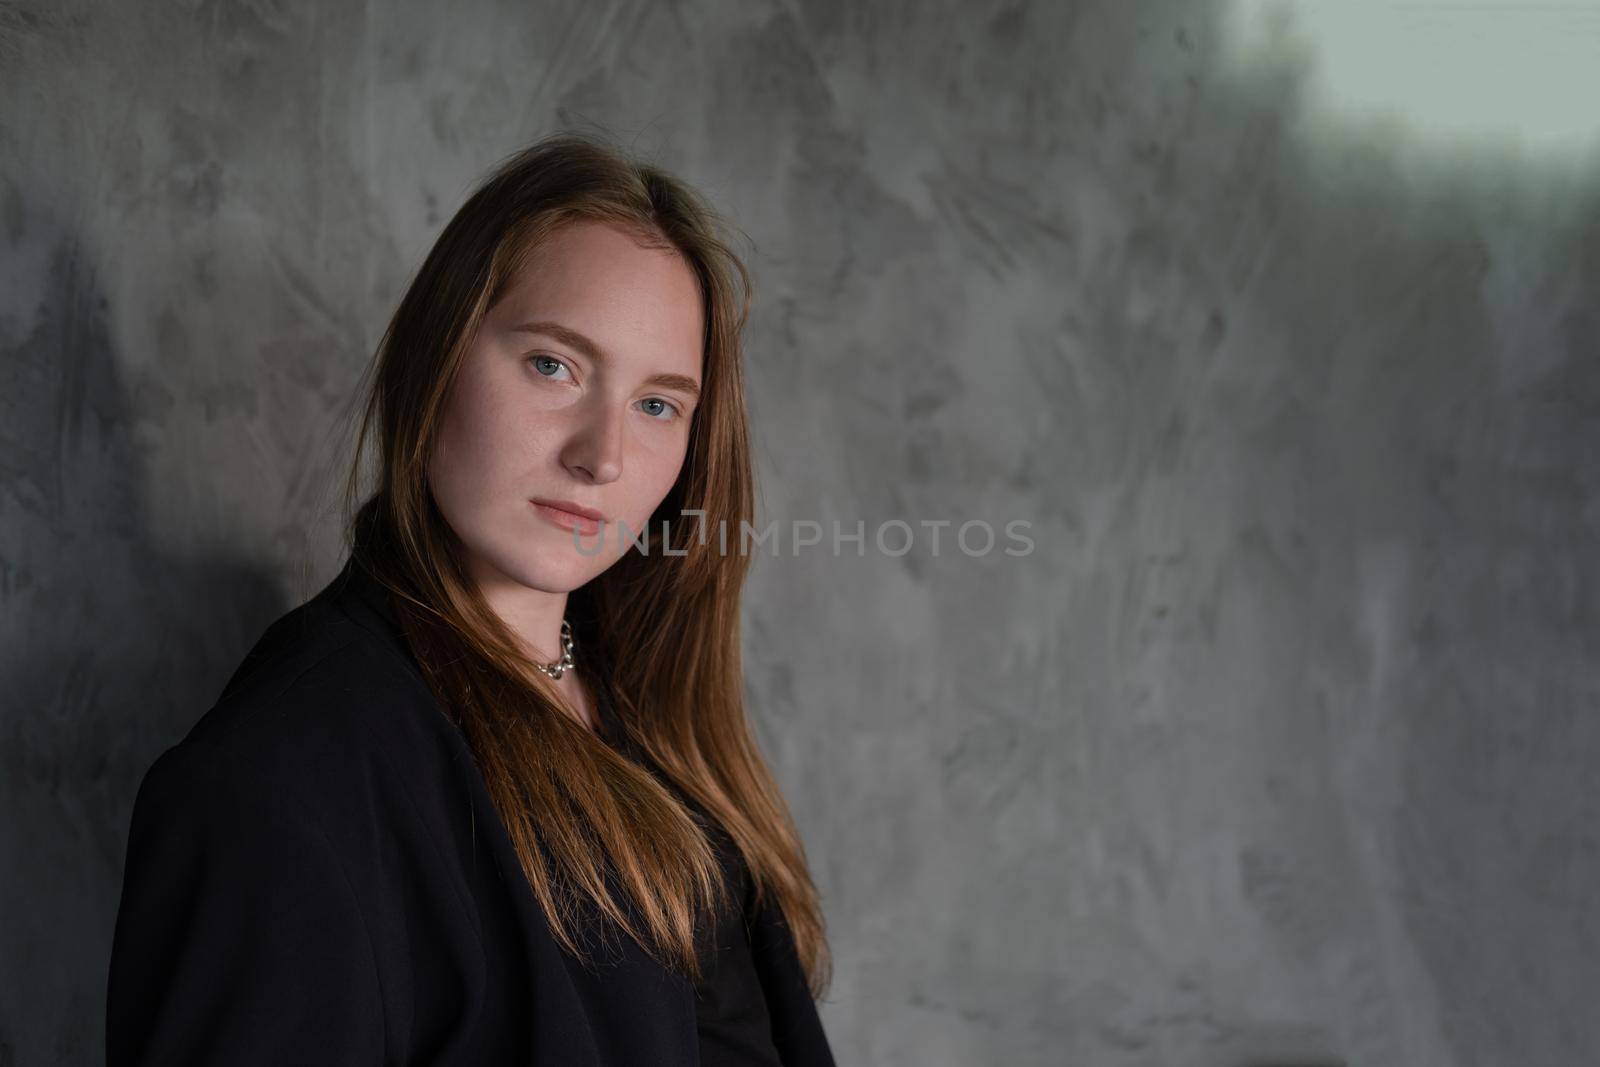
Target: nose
594, 450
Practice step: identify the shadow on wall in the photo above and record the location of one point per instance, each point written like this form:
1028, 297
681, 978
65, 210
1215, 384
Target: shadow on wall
114, 645
1431, 292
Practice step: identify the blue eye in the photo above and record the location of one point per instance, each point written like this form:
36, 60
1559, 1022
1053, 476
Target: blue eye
540, 361
549, 366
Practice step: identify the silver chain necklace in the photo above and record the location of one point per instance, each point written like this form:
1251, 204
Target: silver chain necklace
564, 664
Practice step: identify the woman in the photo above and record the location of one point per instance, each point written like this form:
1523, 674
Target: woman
491, 795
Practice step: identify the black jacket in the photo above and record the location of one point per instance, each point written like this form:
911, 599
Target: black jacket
316, 875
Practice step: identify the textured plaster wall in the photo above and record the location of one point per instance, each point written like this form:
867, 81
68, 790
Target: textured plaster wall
1280, 747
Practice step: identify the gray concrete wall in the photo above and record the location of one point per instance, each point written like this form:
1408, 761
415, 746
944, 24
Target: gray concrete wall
1280, 747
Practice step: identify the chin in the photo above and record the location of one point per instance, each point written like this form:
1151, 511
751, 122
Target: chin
547, 572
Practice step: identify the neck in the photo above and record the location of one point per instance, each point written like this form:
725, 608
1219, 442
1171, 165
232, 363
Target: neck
532, 615
534, 618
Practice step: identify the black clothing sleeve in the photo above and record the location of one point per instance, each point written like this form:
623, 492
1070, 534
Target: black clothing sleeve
239, 939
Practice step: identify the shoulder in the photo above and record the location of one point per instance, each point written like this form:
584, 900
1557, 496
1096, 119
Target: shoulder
322, 706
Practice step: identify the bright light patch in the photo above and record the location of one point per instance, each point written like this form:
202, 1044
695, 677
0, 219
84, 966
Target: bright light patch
1525, 72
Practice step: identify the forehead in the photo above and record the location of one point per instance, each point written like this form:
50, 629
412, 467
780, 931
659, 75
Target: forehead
637, 301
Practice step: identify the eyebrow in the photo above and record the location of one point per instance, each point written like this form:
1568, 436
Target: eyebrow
584, 344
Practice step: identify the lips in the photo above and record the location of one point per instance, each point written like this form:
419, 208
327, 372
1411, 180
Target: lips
571, 507
569, 515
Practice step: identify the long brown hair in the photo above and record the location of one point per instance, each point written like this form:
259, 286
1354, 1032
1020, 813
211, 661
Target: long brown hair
660, 631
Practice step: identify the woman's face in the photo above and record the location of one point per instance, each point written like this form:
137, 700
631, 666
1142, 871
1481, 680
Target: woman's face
578, 388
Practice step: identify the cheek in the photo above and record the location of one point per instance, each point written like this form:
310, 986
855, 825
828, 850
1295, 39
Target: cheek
658, 472
467, 454
447, 471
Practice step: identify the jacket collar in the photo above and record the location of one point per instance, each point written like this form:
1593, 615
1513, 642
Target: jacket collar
365, 598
